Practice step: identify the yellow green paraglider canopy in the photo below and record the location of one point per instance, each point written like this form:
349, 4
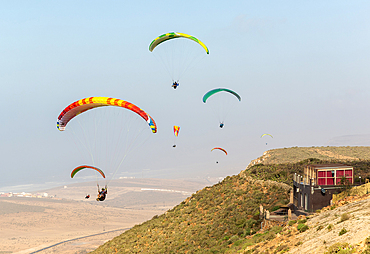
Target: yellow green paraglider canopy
174, 35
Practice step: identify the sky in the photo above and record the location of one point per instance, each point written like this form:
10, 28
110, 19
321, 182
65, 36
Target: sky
301, 68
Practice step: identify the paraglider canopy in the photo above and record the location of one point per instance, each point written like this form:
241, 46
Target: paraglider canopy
83, 105
266, 134
219, 148
217, 90
178, 53
168, 36
78, 169
176, 130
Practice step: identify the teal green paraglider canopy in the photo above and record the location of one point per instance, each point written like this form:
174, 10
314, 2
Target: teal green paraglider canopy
217, 90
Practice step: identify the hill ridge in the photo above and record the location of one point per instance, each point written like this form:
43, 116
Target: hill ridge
296, 154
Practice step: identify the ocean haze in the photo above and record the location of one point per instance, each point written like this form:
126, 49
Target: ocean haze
350, 140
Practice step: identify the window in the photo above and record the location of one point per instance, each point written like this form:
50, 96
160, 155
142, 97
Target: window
321, 181
348, 174
321, 177
340, 173
325, 177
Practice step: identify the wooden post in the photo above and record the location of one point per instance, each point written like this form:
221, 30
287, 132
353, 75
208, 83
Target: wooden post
291, 197
261, 212
289, 214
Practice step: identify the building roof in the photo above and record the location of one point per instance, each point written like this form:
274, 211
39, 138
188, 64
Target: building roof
331, 166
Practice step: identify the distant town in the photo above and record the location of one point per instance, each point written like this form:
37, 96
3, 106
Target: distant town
26, 194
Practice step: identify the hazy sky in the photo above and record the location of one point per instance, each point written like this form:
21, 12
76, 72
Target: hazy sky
301, 68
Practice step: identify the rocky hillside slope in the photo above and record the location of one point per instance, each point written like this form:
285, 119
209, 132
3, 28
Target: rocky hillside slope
343, 227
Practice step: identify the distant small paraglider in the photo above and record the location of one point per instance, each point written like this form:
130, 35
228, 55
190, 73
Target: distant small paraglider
266, 134
176, 130
219, 148
222, 108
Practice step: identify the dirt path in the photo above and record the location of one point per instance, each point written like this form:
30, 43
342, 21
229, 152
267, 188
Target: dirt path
87, 243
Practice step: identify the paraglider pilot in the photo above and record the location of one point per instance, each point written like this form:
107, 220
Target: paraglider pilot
102, 194
175, 85
221, 125
87, 196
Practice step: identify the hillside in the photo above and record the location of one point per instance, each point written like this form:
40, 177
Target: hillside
225, 218
214, 220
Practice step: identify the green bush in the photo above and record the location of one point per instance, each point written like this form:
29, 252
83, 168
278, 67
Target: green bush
276, 229
238, 242
319, 227
302, 221
233, 239
282, 248
330, 227
275, 208
292, 222
247, 232
302, 227
340, 248
367, 241
344, 217
343, 231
